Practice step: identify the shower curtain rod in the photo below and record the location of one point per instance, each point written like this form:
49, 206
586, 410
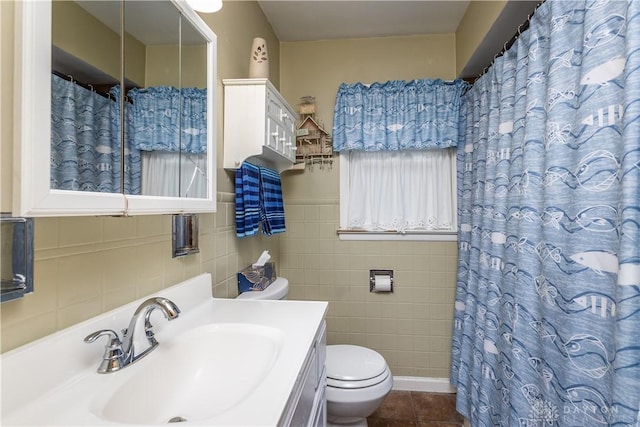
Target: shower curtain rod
521, 28
70, 78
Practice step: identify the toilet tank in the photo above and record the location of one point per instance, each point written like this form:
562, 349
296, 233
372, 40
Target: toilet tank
277, 290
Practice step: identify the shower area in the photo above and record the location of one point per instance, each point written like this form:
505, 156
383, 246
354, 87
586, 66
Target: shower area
547, 307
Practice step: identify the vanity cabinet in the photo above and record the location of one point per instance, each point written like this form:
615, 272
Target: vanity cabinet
307, 404
259, 125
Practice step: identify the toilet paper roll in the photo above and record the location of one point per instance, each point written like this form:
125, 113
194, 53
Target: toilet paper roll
382, 284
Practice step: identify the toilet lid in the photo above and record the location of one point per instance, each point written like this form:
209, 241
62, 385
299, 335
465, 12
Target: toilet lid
351, 363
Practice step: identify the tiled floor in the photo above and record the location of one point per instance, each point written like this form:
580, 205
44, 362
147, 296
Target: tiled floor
416, 409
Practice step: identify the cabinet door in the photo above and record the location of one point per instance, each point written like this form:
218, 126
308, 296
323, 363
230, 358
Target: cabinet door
273, 134
289, 126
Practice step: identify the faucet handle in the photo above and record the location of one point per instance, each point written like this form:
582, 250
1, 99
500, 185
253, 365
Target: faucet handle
113, 357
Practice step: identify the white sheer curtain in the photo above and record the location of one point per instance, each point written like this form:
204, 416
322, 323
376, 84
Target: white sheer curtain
401, 190
174, 174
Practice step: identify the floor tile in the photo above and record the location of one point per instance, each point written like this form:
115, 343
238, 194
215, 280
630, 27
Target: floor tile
436, 407
397, 405
381, 422
416, 409
437, 424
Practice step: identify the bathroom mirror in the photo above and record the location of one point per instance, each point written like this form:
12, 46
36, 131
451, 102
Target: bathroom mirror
130, 128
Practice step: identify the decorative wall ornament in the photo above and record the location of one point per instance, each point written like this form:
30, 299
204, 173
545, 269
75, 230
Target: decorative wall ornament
259, 60
313, 142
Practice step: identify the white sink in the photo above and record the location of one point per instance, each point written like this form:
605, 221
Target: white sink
198, 375
222, 362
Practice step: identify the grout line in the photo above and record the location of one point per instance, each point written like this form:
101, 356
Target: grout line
413, 407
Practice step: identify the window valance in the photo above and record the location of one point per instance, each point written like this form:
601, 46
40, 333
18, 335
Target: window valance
169, 119
397, 115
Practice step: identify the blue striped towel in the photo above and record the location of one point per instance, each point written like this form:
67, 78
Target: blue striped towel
247, 200
271, 203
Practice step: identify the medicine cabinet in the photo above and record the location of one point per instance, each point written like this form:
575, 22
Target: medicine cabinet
116, 108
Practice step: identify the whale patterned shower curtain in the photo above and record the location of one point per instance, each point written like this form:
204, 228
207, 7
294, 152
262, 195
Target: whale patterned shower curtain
547, 309
84, 155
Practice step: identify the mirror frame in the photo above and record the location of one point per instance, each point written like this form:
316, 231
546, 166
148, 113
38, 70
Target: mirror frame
32, 195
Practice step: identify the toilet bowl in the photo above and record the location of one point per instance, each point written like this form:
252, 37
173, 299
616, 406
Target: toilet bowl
358, 378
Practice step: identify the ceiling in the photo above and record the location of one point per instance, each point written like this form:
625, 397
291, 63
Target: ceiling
312, 20
163, 28
323, 20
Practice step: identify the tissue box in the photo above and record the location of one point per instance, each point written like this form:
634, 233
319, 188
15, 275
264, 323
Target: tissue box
256, 278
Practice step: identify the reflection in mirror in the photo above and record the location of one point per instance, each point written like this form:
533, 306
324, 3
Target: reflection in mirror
168, 118
85, 146
193, 80
163, 105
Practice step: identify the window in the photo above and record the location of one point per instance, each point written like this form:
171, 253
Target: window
407, 194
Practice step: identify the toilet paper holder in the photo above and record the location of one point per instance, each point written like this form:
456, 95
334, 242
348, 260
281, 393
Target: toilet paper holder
380, 280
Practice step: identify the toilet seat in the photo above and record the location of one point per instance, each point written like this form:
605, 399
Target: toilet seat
352, 367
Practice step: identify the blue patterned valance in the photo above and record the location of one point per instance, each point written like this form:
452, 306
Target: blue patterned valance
397, 115
169, 119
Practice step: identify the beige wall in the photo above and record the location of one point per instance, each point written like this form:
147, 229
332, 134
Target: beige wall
412, 326
86, 266
163, 64
474, 27
85, 37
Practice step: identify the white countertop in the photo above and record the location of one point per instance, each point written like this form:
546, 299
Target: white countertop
53, 381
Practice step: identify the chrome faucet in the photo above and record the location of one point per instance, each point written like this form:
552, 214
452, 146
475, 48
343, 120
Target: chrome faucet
119, 354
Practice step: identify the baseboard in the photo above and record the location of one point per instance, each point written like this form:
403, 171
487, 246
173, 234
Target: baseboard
427, 384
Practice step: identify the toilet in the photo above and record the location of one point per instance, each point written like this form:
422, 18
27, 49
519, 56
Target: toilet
358, 378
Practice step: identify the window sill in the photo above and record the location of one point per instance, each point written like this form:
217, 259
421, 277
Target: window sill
431, 236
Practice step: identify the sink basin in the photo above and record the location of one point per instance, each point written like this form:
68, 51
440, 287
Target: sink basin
195, 376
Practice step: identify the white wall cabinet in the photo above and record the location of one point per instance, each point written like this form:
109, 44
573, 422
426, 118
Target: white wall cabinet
259, 125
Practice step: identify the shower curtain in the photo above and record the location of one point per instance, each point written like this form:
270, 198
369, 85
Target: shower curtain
84, 155
547, 309
85, 141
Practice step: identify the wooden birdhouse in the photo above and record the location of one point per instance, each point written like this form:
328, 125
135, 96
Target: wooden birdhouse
314, 145
313, 142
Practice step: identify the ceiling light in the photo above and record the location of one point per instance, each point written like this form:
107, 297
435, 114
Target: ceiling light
205, 6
